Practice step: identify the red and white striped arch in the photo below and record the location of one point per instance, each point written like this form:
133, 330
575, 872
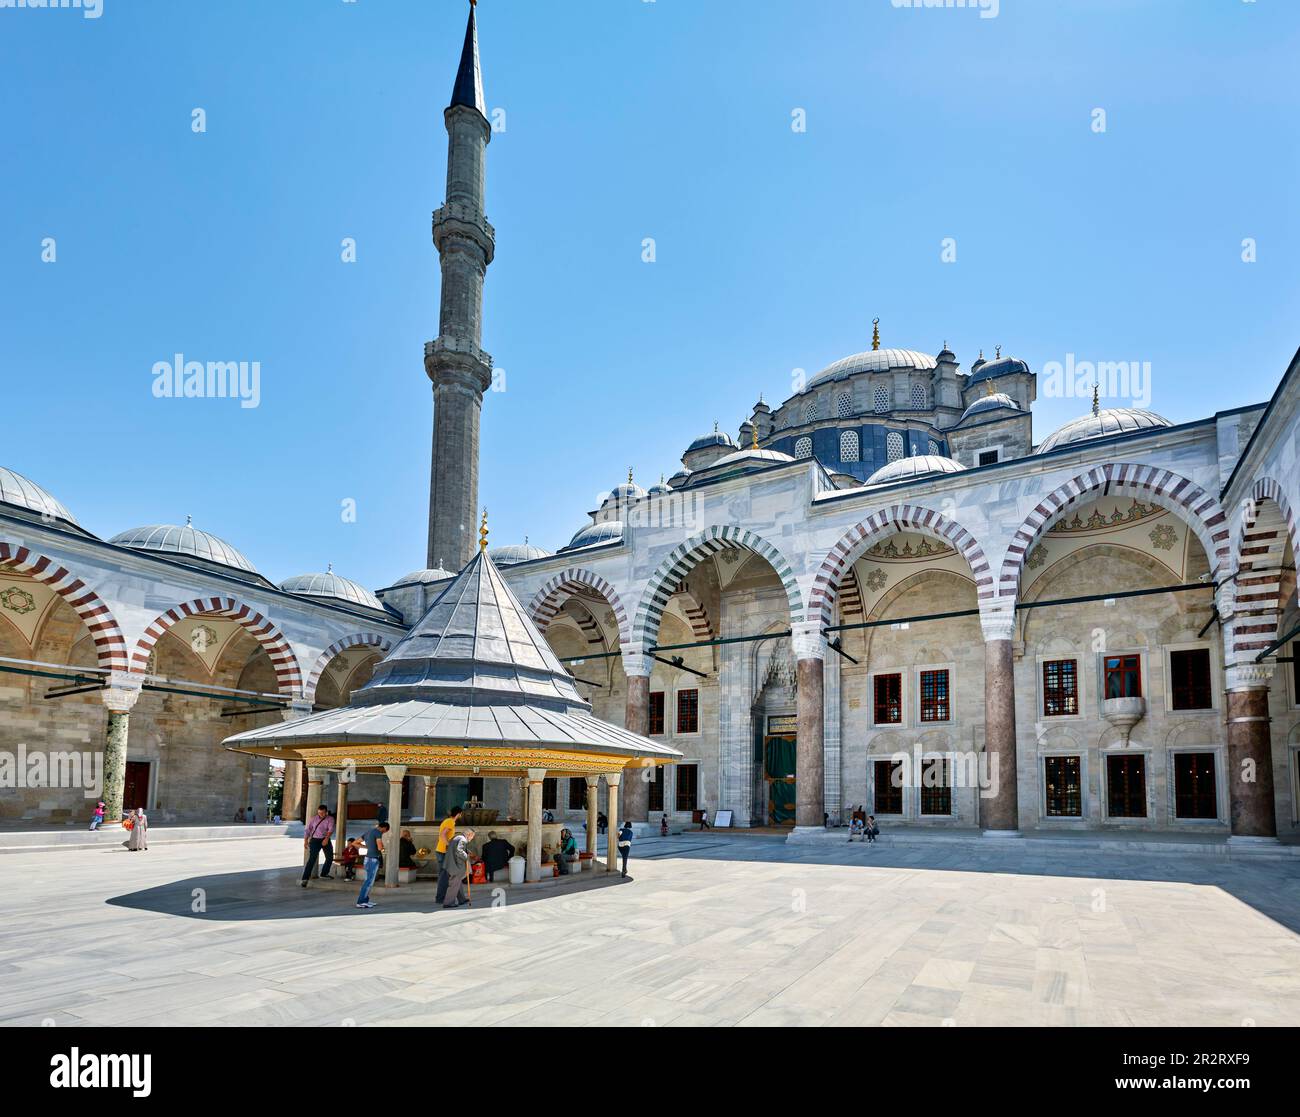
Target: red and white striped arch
548, 600
356, 640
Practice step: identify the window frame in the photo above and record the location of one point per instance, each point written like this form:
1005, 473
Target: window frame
658, 784
1144, 675
904, 708
989, 450
874, 783
1216, 677
577, 782
918, 711
650, 715
945, 759
1126, 754
678, 769
1079, 673
1054, 755
678, 693
857, 447
1171, 780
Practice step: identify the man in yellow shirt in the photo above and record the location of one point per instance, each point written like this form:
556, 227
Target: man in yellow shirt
446, 831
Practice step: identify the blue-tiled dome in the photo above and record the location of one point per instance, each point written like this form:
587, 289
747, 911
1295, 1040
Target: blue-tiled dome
607, 531
1113, 420
916, 466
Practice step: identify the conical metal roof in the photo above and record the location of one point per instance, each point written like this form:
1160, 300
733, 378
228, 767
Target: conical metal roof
468, 89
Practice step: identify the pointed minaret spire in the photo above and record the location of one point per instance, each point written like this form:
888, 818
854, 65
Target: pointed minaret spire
468, 90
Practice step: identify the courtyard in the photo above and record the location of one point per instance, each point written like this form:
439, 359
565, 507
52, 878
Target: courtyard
709, 929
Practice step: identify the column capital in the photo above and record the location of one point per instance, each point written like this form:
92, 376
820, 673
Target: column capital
396, 772
536, 775
122, 691
638, 664
315, 775
807, 640
592, 781
1249, 676
613, 778
998, 623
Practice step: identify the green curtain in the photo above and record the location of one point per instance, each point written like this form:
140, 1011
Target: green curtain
779, 768
779, 761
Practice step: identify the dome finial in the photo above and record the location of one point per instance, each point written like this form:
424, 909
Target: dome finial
483, 533
997, 351
629, 475
329, 568
1096, 402
875, 334
189, 520
754, 438
988, 387
715, 426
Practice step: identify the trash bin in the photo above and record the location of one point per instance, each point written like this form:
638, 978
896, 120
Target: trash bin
517, 864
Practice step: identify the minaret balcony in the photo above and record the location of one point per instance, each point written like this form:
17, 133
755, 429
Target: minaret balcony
455, 219
452, 355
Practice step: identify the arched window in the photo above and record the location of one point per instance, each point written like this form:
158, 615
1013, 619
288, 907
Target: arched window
849, 448
893, 446
803, 448
882, 399
933, 447
811, 412
918, 395
844, 405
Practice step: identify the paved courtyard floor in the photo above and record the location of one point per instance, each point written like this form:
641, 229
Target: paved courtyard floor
709, 930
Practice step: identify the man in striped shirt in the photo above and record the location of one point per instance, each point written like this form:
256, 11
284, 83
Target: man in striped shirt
318, 832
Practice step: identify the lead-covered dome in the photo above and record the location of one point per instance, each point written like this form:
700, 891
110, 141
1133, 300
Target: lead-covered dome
713, 438
332, 586
993, 402
920, 464
983, 370
183, 541
874, 360
1111, 420
512, 553
607, 531
752, 458
17, 490
424, 577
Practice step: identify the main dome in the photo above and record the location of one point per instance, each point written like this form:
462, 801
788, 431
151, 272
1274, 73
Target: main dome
17, 490
874, 360
1112, 420
331, 585
920, 464
183, 541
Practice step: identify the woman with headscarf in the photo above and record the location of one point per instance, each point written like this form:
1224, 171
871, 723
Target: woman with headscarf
139, 838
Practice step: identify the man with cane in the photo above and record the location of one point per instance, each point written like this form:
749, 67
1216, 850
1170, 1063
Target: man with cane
456, 866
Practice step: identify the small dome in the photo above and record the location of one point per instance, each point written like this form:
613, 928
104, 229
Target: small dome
873, 360
331, 585
17, 490
990, 403
1112, 420
678, 479
906, 468
516, 552
607, 531
1000, 366
183, 542
433, 574
753, 458
626, 493
713, 438
660, 488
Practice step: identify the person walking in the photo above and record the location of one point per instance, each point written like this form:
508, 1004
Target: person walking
374, 859
139, 838
625, 843
446, 831
456, 865
319, 829
97, 819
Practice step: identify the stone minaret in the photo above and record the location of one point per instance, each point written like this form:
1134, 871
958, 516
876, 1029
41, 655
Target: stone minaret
461, 372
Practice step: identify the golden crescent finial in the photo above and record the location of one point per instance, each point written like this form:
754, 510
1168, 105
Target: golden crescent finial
875, 334
483, 533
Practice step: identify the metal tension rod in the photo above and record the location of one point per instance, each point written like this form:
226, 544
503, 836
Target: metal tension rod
1277, 643
676, 661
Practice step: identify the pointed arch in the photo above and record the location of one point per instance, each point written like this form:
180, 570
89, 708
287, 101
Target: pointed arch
546, 602
356, 640
686, 556
1197, 508
287, 671
854, 543
110, 644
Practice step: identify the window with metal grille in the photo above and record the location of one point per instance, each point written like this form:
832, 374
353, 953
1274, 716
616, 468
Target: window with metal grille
688, 787
548, 793
887, 700
1189, 679
803, 448
1126, 786
889, 787
1060, 687
1062, 788
577, 794
893, 446
656, 718
986, 457
934, 696
1123, 676
811, 412
688, 711
936, 795
881, 398
844, 405
932, 447
849, 449
657, 790
1195, 794
918, 395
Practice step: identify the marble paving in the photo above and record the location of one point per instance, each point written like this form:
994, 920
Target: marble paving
709, 930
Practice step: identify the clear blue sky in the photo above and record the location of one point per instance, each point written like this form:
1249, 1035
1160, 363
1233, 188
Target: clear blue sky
625, 120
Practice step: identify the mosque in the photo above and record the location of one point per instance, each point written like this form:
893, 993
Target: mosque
881, 594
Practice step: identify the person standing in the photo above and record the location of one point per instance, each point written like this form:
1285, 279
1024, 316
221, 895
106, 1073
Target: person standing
97, 819
374, 859
625, 843
456, 866
139, 838
446, 831
318, 831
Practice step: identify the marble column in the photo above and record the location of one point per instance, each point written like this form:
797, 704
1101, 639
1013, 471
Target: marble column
999, 810
593, 812
341, 817
396, 774
810, 698
315, 777
533, 867
636, 719
516, 807
612, 780
119, 697
292, 807
431, 799
1250, 754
